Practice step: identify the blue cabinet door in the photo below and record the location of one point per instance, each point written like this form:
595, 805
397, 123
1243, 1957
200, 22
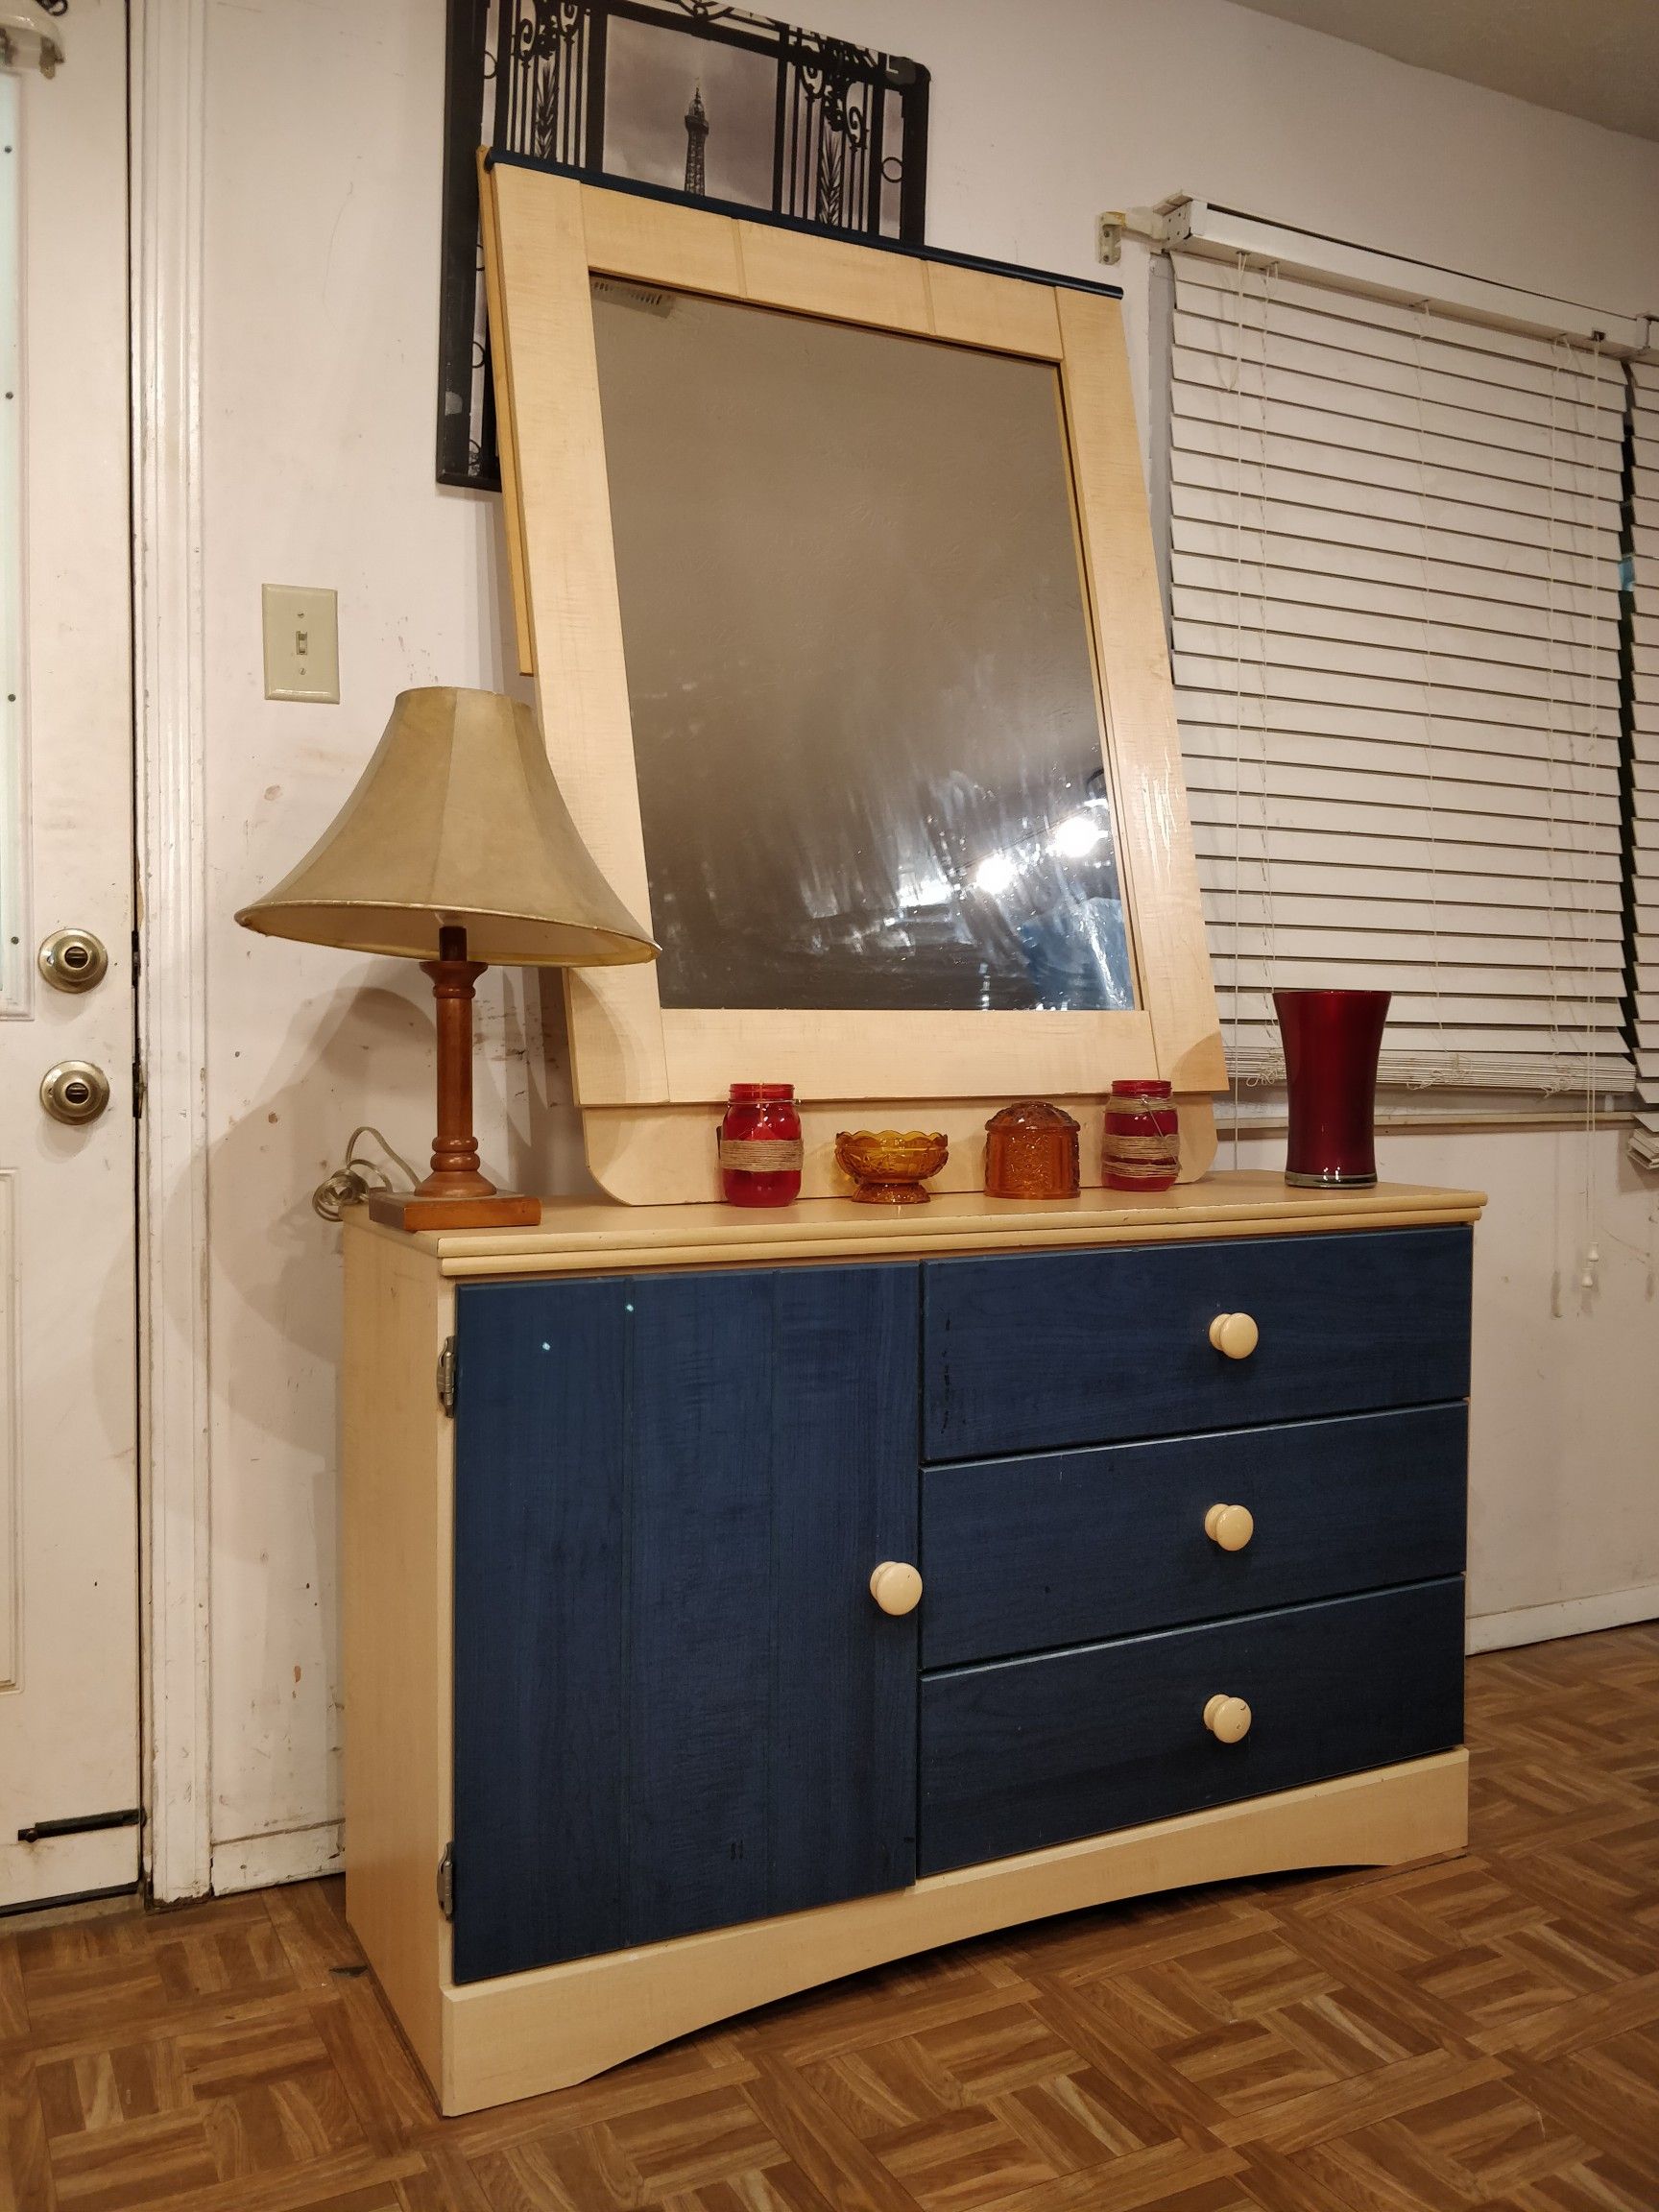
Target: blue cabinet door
675, 1704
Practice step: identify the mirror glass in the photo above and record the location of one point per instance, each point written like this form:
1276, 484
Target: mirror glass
858, 664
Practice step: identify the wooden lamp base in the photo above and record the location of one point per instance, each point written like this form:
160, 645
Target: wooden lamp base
414, 1210
455, 1196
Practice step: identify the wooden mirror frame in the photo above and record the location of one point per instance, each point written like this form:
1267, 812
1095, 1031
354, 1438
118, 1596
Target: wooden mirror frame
649, 1079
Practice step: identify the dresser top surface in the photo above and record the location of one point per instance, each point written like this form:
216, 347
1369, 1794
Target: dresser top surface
598, 1235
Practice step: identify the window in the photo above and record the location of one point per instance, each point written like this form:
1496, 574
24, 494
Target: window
1394, 543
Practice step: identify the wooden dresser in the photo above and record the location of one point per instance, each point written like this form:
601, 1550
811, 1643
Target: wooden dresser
650, 1717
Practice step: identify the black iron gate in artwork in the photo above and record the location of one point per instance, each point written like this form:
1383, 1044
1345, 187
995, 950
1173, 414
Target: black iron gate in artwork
533, 78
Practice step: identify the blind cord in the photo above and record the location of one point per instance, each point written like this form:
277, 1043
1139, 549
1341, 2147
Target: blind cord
1433, 807
1237, 689
1550, 565
1270, 916
1592, 1252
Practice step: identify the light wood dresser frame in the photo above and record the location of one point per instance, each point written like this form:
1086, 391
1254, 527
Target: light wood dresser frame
484, 2042
646, 1075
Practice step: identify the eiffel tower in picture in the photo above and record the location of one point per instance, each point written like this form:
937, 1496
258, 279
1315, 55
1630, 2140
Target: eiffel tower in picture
696, 132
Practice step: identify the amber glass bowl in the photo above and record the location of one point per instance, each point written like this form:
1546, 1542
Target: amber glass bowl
889, 1165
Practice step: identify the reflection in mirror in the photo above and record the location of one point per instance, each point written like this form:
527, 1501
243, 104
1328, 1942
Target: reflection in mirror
858, 664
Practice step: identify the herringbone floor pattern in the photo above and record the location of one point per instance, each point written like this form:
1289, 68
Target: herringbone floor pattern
1480, 2033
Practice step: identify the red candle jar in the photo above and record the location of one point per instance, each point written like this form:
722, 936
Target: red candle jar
760, 1150
1142, 1146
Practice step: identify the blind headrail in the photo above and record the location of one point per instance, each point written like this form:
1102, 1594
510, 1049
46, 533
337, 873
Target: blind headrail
1197, 226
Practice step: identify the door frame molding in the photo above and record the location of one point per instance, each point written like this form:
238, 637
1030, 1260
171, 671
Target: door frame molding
167, 88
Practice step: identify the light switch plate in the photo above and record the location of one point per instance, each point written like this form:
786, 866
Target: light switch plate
302, 644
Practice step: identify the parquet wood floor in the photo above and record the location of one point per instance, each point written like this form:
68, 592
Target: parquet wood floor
1475, 2032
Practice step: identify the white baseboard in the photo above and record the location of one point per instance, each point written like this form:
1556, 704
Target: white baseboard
1570, 1617
297, 1855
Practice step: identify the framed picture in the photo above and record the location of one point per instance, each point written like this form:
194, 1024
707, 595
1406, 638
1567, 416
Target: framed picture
689, 96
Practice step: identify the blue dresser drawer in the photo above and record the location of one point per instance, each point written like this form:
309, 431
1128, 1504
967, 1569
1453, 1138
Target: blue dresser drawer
1071, 1546
1031, 1752
1041, 1352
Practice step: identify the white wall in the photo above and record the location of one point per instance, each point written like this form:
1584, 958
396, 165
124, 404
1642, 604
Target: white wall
1563, 1536
320, 342
318, 398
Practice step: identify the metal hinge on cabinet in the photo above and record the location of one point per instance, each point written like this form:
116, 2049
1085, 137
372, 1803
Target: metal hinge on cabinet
446, 1376
446, 1883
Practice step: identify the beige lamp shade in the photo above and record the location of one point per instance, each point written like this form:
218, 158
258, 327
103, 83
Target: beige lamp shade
456, 822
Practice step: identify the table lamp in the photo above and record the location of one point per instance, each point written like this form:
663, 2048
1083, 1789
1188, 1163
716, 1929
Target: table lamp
456, 849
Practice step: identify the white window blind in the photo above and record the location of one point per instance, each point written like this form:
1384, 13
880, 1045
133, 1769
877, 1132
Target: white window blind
1394, 546
1645, 754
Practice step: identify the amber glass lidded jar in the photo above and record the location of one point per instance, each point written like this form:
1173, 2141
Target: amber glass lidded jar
761, 1149
1142, 1146
1031, 1152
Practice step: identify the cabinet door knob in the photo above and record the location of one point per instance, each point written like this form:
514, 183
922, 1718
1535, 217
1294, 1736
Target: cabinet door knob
1236, 1334
1232, 1526
1226, 1718
896, 1586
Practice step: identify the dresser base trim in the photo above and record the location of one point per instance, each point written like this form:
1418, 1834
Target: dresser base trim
549, 2029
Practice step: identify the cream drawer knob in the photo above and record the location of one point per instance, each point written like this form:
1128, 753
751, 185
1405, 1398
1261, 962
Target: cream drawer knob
896, 1586
1232, 1526
1226, 1718
1236, 1334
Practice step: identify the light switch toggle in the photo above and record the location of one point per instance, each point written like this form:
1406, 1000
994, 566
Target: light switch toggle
302, 644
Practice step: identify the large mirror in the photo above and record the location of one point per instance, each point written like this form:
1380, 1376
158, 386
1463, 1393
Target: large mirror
863, 699
833, 566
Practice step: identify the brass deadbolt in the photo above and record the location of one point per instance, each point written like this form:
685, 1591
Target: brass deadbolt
73, 960
74, 1092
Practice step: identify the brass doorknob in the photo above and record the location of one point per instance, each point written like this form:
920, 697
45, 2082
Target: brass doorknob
73, 960
1226, 1718
1236, 1334
75, 1092
896, 1586
1232, 1526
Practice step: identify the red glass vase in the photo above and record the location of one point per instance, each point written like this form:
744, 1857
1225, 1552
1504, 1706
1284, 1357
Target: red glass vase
1332, 1040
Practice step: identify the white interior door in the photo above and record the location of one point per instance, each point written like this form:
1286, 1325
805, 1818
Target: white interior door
68, 1505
